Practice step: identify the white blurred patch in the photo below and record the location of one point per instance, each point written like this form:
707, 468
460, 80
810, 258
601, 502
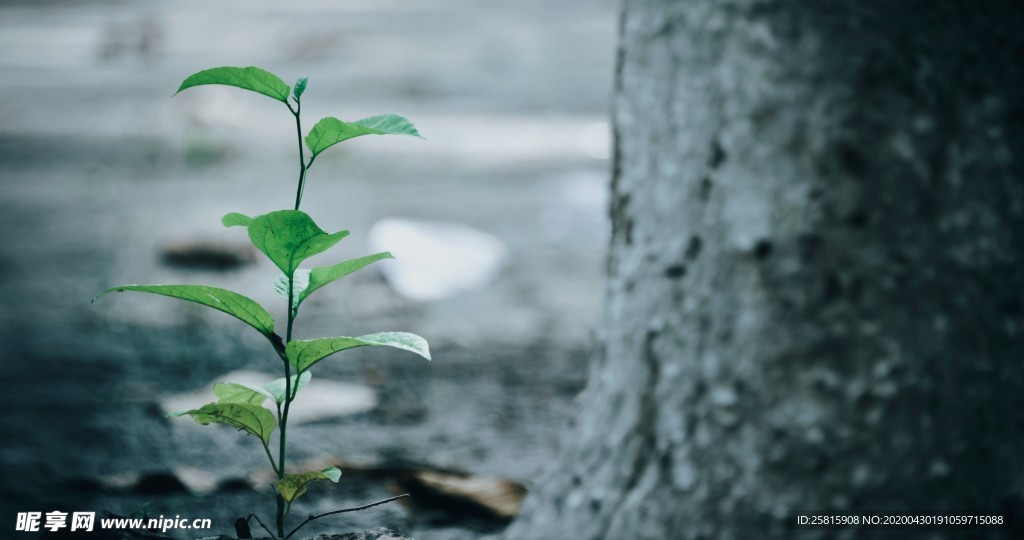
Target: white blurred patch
497, 138
597, 140
436, 260
319, 400
574, 204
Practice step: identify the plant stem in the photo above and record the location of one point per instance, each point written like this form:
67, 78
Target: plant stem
356, 509
302, 159
282, 420
282, 511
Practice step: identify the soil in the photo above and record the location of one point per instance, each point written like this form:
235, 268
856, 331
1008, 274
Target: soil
105, 175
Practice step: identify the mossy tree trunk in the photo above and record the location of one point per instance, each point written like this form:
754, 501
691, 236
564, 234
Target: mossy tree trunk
816, 277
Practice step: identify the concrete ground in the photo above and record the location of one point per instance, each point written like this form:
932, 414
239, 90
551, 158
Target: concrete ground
103, 171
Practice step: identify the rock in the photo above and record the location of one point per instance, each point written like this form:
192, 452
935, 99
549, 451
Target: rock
159, 483
484, 496
198, 481
322, 399
435, 260
205, 255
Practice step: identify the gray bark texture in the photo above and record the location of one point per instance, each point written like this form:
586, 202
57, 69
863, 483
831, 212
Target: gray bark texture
815, 293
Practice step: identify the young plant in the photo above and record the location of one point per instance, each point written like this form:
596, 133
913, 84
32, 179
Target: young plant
287, 238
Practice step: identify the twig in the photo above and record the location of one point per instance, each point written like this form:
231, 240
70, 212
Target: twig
261, 523
356, 509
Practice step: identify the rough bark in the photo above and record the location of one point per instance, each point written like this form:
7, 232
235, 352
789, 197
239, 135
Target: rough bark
815, 278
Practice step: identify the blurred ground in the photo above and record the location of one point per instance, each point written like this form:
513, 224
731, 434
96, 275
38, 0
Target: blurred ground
102, 171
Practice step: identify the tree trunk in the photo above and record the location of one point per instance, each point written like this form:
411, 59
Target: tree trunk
815, 286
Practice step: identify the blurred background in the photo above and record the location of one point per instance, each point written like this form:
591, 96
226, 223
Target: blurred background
108, 180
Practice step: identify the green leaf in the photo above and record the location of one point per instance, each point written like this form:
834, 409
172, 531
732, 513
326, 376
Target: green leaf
252, 419
248, 78
289, 237
292, 486
322, 275
228, 392
299, 283
333, 474
300, 87
234, 219
243, 308
307, 281
303, 354
331, 131
276, 387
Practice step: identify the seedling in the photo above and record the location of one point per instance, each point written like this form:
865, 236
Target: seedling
287, 238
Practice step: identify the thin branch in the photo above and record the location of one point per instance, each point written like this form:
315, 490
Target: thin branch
358, 508
260, 522
270, 457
